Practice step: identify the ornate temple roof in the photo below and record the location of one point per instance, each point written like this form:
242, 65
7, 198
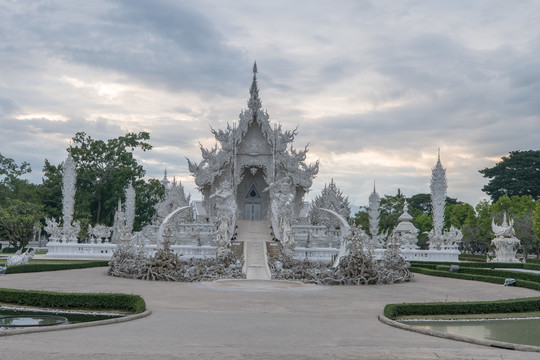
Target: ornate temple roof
289, 160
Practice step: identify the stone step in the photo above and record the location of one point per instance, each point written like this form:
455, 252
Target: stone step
254, 235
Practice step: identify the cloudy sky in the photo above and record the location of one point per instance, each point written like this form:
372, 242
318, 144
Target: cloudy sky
376, 87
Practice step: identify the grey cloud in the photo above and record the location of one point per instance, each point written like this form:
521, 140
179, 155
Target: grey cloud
8, 106
165, 44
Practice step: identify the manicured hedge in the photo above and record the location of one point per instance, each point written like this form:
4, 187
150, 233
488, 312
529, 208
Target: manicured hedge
38, 267
470, 257
12, 250
471, 264
393, 311
433, 265
491, 272
94, 301
485, 278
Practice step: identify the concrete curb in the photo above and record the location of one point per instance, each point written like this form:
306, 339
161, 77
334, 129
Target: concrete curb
75, 326
490, 343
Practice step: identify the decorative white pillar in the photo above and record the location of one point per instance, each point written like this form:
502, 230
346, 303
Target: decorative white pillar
438, 204
69, 179
130, 208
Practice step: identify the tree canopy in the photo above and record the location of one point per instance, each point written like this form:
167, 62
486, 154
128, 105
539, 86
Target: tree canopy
104, 168
515, 175
18, 220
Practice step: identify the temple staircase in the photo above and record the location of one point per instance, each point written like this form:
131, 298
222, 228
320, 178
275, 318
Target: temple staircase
254, 235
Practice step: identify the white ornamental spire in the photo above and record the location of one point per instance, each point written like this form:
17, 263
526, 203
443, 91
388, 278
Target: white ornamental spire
374, 212
69, 179
438, 195
130, 208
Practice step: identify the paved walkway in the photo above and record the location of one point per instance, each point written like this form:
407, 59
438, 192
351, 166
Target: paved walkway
255, 234
191, 321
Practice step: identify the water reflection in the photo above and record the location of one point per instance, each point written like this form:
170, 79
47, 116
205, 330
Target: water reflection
518, 331
31, 320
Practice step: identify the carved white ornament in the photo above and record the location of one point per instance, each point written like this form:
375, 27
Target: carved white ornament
505, 242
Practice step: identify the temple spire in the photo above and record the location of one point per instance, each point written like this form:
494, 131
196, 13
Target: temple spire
254, 102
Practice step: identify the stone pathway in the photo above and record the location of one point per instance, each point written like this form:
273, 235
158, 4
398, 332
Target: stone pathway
255, 234
190, 321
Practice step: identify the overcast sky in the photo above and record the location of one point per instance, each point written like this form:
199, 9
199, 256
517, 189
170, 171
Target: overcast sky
376, 87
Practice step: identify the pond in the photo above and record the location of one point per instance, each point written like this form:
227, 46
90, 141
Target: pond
517, 331
14, 317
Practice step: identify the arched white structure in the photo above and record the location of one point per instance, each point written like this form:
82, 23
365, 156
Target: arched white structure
166, 221
345, 227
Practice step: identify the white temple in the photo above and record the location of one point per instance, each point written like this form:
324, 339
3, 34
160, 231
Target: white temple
252, 156
253, 177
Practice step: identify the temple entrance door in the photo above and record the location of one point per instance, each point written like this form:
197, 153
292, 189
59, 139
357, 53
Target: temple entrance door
252, 211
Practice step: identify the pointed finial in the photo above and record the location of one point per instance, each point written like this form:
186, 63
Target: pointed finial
374, 191
439, 154
254, 103
165, 181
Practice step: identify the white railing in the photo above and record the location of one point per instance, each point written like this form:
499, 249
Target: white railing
105, 251
315, 254
316, 236
329, 254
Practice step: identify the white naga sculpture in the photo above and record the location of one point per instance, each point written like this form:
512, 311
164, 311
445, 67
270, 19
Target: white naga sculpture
19, 258
505, 242
226, 214
281, 205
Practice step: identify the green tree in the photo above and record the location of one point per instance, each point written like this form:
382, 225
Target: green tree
518, 174
477, 232
458, 215
420, 203
514, 206
51, 190
18, 220
148, 193
104, 168
424, 224
391, 210
361, 218
536, 227
11, 185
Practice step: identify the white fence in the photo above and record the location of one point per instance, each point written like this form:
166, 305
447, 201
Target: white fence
59, 250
